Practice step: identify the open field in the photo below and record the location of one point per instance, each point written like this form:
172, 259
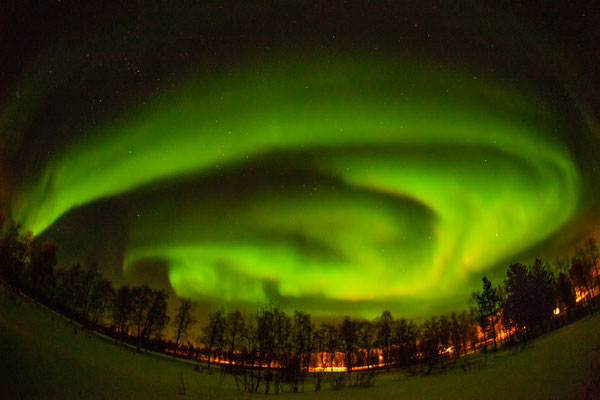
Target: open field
43, 356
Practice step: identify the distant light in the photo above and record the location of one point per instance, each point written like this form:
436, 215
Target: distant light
556, 311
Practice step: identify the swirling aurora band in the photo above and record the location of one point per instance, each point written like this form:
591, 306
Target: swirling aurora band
342, 178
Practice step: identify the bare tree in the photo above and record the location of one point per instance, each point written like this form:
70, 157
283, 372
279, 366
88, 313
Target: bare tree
404, 340
183, 320
331, 342
213, 333
445, 334
429, 343
69, 283
156, 317
348, 340
141, 297
384, 335
122, 309
320, 343
85, 289
367, 337
100, 299
303, 337
234, 327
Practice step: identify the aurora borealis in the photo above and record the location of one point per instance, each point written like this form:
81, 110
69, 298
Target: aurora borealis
335, 172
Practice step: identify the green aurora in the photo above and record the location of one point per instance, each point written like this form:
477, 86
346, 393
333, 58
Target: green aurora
333, 181
426, 165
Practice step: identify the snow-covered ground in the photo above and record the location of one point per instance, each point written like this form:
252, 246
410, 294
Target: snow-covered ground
42, 356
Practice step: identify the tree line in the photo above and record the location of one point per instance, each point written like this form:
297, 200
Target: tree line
534, 299
271, 350
133, 314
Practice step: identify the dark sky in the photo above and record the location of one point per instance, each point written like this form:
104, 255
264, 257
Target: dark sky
329, 156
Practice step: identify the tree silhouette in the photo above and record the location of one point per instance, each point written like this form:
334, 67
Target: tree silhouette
517, 307
302, 338
404, 341
348, 340
100, 299
487, 309
141, 297
213, 333
284, 349
468, 330
41, 268
320, 346
543, 293
235, 326
183, 320
154, 314
593, 254
430, 342
69, 282
455, 336
122, 309
14, 252
85, 288
331, 342
367, 338
445, 334
385, 325
581, 274
264, 330
565, 292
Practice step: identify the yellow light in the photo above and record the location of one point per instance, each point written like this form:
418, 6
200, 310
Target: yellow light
556, 311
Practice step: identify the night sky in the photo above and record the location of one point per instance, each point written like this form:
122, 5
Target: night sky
339, 158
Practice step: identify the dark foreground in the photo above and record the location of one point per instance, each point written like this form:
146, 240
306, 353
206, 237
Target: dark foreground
42, 356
